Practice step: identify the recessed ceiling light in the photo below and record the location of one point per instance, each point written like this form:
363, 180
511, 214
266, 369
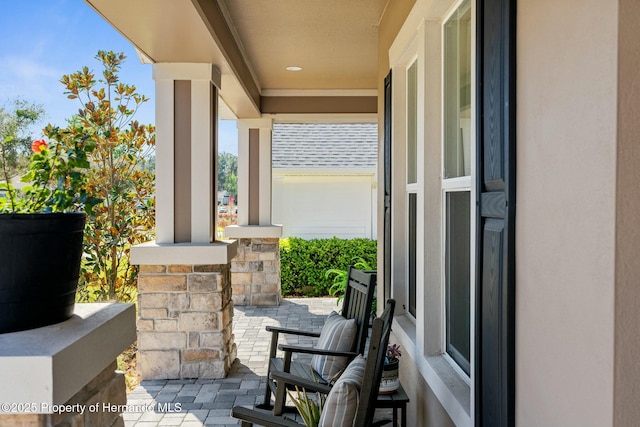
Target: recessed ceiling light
294, 68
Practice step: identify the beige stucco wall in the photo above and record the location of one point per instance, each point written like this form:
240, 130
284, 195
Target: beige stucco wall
565, 225
578, 232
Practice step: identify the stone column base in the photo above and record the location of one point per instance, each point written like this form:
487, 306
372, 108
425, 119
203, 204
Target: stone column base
184, 324
255, 272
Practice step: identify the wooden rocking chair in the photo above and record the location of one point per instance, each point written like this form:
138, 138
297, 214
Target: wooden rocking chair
367, 395
357, 302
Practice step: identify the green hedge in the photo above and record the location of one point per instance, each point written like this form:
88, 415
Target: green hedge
303, 263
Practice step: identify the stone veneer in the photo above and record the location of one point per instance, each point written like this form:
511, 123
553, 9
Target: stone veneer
184, 322
255, 272
103, 400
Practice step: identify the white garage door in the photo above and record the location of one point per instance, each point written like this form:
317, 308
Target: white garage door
324, 206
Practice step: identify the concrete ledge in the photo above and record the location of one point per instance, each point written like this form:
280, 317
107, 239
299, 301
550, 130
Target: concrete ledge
253, 231
49, 365
152, 253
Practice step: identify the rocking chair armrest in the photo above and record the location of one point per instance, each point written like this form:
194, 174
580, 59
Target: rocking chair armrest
284, 378
311, 350
292, 331
261, 418
285, 381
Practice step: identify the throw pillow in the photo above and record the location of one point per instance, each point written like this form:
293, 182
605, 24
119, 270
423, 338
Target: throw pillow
338, 334
342, 402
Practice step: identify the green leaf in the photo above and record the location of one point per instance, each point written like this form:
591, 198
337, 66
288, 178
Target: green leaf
28, 177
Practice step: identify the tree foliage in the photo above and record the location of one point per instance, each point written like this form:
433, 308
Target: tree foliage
228, 173
15, 121
119, 175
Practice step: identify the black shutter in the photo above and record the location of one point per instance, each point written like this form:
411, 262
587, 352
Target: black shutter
495, 272
387, 187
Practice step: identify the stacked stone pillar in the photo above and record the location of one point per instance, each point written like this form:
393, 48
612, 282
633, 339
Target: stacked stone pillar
184, 325
255, 271
184, 285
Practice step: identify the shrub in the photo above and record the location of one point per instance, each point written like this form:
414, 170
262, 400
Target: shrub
303, 263
339, 278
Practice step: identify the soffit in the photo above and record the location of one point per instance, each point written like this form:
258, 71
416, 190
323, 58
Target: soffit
164, 30
174, 31
334, 41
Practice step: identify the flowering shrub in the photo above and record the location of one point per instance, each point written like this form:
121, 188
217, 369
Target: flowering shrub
98, 163
57, 177
38, 145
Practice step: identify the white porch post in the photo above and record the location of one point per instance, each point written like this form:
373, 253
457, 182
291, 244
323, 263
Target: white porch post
255, 272
186, 152
184, 328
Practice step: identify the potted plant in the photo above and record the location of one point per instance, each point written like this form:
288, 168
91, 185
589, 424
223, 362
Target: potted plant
41, 231
390, 380
308, 408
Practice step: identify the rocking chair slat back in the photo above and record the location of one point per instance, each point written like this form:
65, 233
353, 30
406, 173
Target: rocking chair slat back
358, 299
373, 368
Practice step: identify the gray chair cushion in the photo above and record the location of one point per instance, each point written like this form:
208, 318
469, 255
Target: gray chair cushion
342, 402
337, 334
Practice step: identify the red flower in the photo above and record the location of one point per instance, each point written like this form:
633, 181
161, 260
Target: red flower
38, 145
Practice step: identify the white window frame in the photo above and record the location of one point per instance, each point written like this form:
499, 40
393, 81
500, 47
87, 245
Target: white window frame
412, 188
454, 365
458, 184
401, 188
424, 341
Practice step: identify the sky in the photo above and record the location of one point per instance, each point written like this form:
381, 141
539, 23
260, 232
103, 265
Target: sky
41, 40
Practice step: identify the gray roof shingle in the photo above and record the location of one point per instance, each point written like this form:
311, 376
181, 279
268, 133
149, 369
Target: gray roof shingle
325, 145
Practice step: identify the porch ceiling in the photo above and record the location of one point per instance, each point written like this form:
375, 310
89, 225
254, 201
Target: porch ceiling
252, 42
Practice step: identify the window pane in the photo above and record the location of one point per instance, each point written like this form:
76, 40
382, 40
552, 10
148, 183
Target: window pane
413, 213
458, 277
457, 93
412, 124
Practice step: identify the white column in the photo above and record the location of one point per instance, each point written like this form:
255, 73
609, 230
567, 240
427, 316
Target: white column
254, 181
255, 272
243, 173
264, 206
164, 161
186, 163
204, 116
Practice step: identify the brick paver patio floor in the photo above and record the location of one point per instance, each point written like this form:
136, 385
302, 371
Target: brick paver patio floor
209, 402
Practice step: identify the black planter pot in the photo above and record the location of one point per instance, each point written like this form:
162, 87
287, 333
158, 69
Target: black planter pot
40, 258
390, 380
